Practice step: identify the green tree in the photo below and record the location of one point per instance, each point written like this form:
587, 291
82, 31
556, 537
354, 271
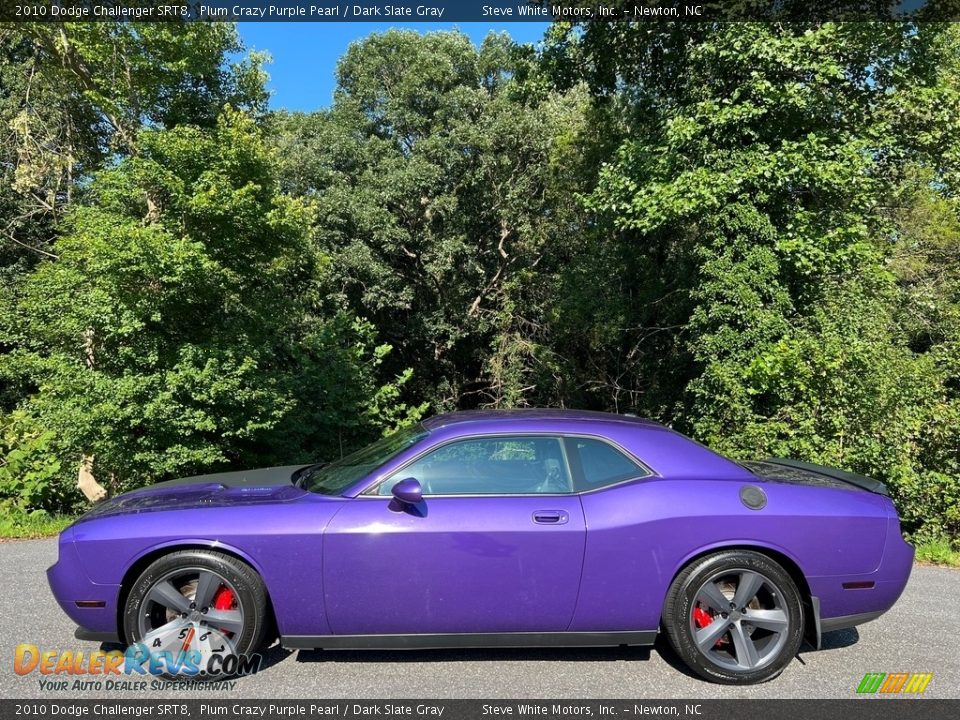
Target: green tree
757, 192
73, 98
178, 330
442, 175
73, 95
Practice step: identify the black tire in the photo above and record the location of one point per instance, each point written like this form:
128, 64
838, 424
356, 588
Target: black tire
774, 631
246, 586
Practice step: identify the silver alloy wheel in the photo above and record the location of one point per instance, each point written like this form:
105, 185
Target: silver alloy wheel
745, 622
185, 597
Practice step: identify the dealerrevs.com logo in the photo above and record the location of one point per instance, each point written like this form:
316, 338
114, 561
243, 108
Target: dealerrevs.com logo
894, 683
192, 659
179, 649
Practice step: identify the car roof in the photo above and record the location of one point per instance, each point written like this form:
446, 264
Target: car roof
526, 415
669, 453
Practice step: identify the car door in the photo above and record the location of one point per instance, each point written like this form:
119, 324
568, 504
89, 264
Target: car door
496, 545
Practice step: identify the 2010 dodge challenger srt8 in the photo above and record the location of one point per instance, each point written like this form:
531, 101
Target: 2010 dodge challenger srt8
498, 528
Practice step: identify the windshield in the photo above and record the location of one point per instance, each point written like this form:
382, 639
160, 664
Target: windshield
333, 478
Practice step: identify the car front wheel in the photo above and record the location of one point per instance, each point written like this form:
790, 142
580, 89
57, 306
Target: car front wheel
190, 605
734, 617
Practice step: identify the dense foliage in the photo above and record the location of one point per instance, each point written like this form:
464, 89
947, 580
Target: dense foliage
782, 187
747, 231
443, 176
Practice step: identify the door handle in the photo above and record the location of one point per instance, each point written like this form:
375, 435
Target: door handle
551, 517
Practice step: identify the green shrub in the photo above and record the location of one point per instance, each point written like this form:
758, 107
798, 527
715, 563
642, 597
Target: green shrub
32, 477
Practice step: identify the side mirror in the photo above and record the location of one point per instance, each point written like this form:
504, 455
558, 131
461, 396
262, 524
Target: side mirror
408, 491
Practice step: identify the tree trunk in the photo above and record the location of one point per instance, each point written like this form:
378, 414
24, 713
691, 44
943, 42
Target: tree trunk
87, 483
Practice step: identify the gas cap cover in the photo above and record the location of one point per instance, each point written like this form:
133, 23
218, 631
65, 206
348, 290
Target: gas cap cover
753, 497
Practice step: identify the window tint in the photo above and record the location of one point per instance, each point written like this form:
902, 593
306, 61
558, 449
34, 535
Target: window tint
490, 466
603, 464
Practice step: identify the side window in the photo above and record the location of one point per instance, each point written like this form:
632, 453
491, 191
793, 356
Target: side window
602, 464
490, 466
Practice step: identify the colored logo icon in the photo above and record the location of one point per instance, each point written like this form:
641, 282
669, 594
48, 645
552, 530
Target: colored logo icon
894, 683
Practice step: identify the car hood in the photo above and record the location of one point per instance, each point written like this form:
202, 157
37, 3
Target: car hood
266, 485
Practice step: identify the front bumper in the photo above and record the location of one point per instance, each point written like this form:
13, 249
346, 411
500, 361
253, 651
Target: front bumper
92, 606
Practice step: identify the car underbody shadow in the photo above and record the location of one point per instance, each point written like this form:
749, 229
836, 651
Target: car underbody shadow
829, 641
670, 657
271, 655
276, 654
580, 654
834, 640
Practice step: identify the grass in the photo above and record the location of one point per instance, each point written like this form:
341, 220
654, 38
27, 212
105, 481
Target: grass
937, 552
21, 525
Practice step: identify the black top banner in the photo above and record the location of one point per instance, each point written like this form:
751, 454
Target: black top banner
577, 11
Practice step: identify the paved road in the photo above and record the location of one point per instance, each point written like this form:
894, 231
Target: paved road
919, 634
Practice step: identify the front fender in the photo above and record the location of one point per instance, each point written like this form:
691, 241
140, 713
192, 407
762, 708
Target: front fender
283, 543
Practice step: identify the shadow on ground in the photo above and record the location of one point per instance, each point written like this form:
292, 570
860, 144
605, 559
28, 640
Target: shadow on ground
277, 654
474, 655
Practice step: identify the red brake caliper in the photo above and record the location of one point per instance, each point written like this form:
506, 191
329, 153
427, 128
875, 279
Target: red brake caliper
223, 600
701, 618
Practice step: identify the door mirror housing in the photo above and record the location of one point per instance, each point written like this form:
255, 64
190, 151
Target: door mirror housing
408, 491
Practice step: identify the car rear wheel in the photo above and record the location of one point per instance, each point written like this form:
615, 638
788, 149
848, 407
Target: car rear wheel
193, 604
734, 617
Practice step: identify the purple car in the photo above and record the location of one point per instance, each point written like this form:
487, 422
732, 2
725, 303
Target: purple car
497, 528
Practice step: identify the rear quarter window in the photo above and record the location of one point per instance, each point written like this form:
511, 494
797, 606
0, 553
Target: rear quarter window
601, 464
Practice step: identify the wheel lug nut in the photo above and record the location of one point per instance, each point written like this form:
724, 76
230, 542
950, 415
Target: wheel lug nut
204, 610
193, 606
723, 615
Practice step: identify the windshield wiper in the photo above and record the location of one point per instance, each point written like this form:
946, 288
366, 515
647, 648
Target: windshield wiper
300, 475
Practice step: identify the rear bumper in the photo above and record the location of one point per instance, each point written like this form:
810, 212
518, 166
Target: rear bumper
843, 601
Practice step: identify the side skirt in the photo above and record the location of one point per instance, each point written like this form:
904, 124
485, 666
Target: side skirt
467, 640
